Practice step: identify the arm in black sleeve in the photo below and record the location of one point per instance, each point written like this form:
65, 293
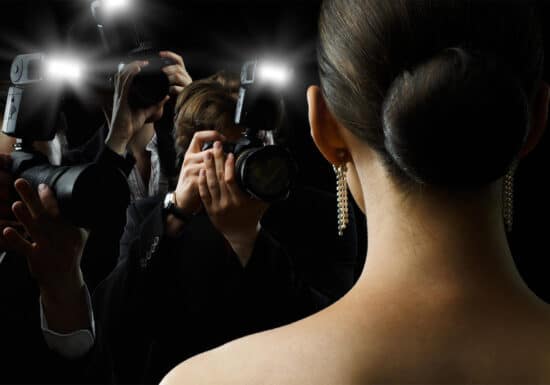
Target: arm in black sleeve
101, 251
102, 248
109, 158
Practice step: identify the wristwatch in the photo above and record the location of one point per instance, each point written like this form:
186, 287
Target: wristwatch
170, 207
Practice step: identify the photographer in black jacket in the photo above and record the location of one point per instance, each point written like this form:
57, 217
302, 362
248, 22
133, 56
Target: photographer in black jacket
22, 289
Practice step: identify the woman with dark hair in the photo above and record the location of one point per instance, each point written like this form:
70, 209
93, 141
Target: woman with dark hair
428, 105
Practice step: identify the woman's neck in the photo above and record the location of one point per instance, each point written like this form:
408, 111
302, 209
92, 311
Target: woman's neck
434, 241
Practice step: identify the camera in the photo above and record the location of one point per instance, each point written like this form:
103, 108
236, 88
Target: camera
150, 86
264, 170
87, 193
122, 41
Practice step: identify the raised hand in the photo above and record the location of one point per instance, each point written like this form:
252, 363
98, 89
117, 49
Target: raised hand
177, 74
53, 254
236, 215
187, 192
55, 246
6, 183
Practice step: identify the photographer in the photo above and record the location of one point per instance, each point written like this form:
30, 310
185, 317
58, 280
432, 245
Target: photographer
137, 141
26, 357
184, 286
21, 282
141, 134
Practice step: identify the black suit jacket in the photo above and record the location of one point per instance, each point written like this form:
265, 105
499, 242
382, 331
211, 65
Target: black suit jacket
169, 299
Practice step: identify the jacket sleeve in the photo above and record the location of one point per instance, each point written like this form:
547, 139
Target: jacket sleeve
102, 248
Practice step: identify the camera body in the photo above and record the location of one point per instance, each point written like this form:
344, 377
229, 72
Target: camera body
264, 170
150, 86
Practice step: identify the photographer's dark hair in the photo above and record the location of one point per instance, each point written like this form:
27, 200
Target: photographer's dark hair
440, 89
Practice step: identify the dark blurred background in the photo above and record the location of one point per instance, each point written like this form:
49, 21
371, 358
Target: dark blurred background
215, 34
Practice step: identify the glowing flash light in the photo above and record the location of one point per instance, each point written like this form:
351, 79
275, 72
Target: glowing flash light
64, 69
115, 6
273, 73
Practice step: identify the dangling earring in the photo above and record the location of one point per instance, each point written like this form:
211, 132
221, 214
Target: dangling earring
342, 197
508, 197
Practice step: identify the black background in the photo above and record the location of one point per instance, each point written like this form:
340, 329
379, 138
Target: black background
215, 34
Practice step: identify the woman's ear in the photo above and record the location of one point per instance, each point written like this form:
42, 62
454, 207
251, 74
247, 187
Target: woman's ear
539, 119
325, 130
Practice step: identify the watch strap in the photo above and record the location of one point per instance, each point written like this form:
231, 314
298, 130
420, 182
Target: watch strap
171, 208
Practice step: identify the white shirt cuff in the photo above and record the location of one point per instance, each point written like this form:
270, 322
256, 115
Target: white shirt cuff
72, 345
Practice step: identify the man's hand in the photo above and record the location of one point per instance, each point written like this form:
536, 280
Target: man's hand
187, 192
53, 255
6, 183
56, 246
177, 74
232, 212
125, 122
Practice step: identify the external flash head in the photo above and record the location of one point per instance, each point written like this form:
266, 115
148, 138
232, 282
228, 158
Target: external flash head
35, 97
105, 9
36, 67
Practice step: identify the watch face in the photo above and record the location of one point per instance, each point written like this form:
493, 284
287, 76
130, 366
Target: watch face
171, 208
168, 200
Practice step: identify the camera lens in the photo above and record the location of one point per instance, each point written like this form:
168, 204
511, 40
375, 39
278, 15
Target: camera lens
86, 194
266, 173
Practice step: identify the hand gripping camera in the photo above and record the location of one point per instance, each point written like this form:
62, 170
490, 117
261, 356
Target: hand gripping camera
86, 194
263, 170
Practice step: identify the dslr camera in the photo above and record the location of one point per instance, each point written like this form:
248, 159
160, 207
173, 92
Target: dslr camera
264, 170
122, 41
86, 193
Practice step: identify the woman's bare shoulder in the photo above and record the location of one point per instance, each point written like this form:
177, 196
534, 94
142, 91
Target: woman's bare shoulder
236, 362
287, 355
335, 347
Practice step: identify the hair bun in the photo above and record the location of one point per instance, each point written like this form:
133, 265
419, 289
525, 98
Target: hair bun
458, 120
